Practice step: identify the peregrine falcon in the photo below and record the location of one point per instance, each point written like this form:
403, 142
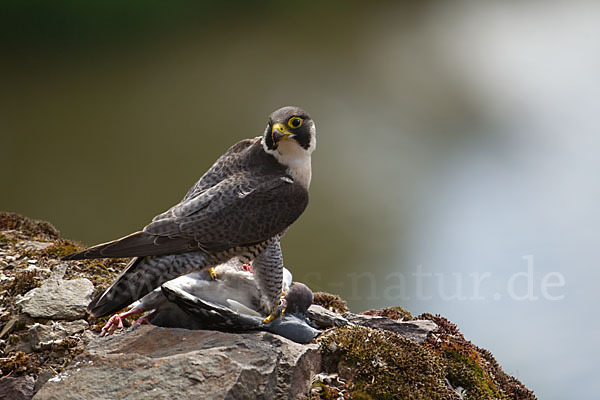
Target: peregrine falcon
239, 208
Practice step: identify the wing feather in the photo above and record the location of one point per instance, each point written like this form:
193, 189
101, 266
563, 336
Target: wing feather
219, 218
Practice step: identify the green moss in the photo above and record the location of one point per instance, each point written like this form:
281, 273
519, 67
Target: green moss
464, 370
61, 249
463, 363
359, 394
7, 239
384, 365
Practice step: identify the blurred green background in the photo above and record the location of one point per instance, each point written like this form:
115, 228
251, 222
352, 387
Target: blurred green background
454, 138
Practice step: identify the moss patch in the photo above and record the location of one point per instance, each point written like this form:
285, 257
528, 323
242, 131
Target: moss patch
331, 302
470, 367
61, 248
384, 365
34, 229
376, 364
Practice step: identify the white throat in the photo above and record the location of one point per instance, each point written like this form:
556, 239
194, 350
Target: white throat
295, 157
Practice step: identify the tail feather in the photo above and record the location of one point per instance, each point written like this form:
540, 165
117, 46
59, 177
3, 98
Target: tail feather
141, 276
138, 244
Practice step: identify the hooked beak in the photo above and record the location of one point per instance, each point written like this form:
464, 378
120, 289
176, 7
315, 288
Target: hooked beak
280, 132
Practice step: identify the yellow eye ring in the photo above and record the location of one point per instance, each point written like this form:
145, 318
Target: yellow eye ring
295, 122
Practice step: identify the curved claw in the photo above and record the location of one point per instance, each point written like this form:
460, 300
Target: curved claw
269, 319
277, 313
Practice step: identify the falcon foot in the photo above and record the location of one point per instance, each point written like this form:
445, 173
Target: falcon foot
270, 318
277, 313
212, 273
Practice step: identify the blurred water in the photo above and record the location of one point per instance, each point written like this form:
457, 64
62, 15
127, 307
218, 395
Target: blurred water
453, 141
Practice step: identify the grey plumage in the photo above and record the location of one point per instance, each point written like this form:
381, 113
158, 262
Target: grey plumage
239, 207
197, 312
298, 298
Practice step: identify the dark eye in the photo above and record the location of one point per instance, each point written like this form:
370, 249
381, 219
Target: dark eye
295, 122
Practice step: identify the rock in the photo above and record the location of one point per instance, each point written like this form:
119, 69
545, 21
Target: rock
53, 332
17, 388
414, 330
43, 376
58, 298
4, 278
325, 318
381, 356
153, 362
34, 245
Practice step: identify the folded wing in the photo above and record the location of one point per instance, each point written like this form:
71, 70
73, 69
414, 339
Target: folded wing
238, 211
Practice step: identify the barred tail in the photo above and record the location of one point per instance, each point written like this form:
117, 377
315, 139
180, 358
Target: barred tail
141, 276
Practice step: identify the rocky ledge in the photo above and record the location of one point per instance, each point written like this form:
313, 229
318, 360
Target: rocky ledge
50, 348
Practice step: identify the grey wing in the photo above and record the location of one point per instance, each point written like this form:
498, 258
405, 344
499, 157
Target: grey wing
239, 211
225, 166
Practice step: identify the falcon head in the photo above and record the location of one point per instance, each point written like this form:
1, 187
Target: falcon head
290, 129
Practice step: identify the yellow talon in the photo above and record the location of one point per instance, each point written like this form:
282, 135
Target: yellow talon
212, 273
269, 319
273, 316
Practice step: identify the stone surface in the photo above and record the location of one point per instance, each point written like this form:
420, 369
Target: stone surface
17, 388
47, 334
58, 298
325, 318
153, 362
34, 245
414, 330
